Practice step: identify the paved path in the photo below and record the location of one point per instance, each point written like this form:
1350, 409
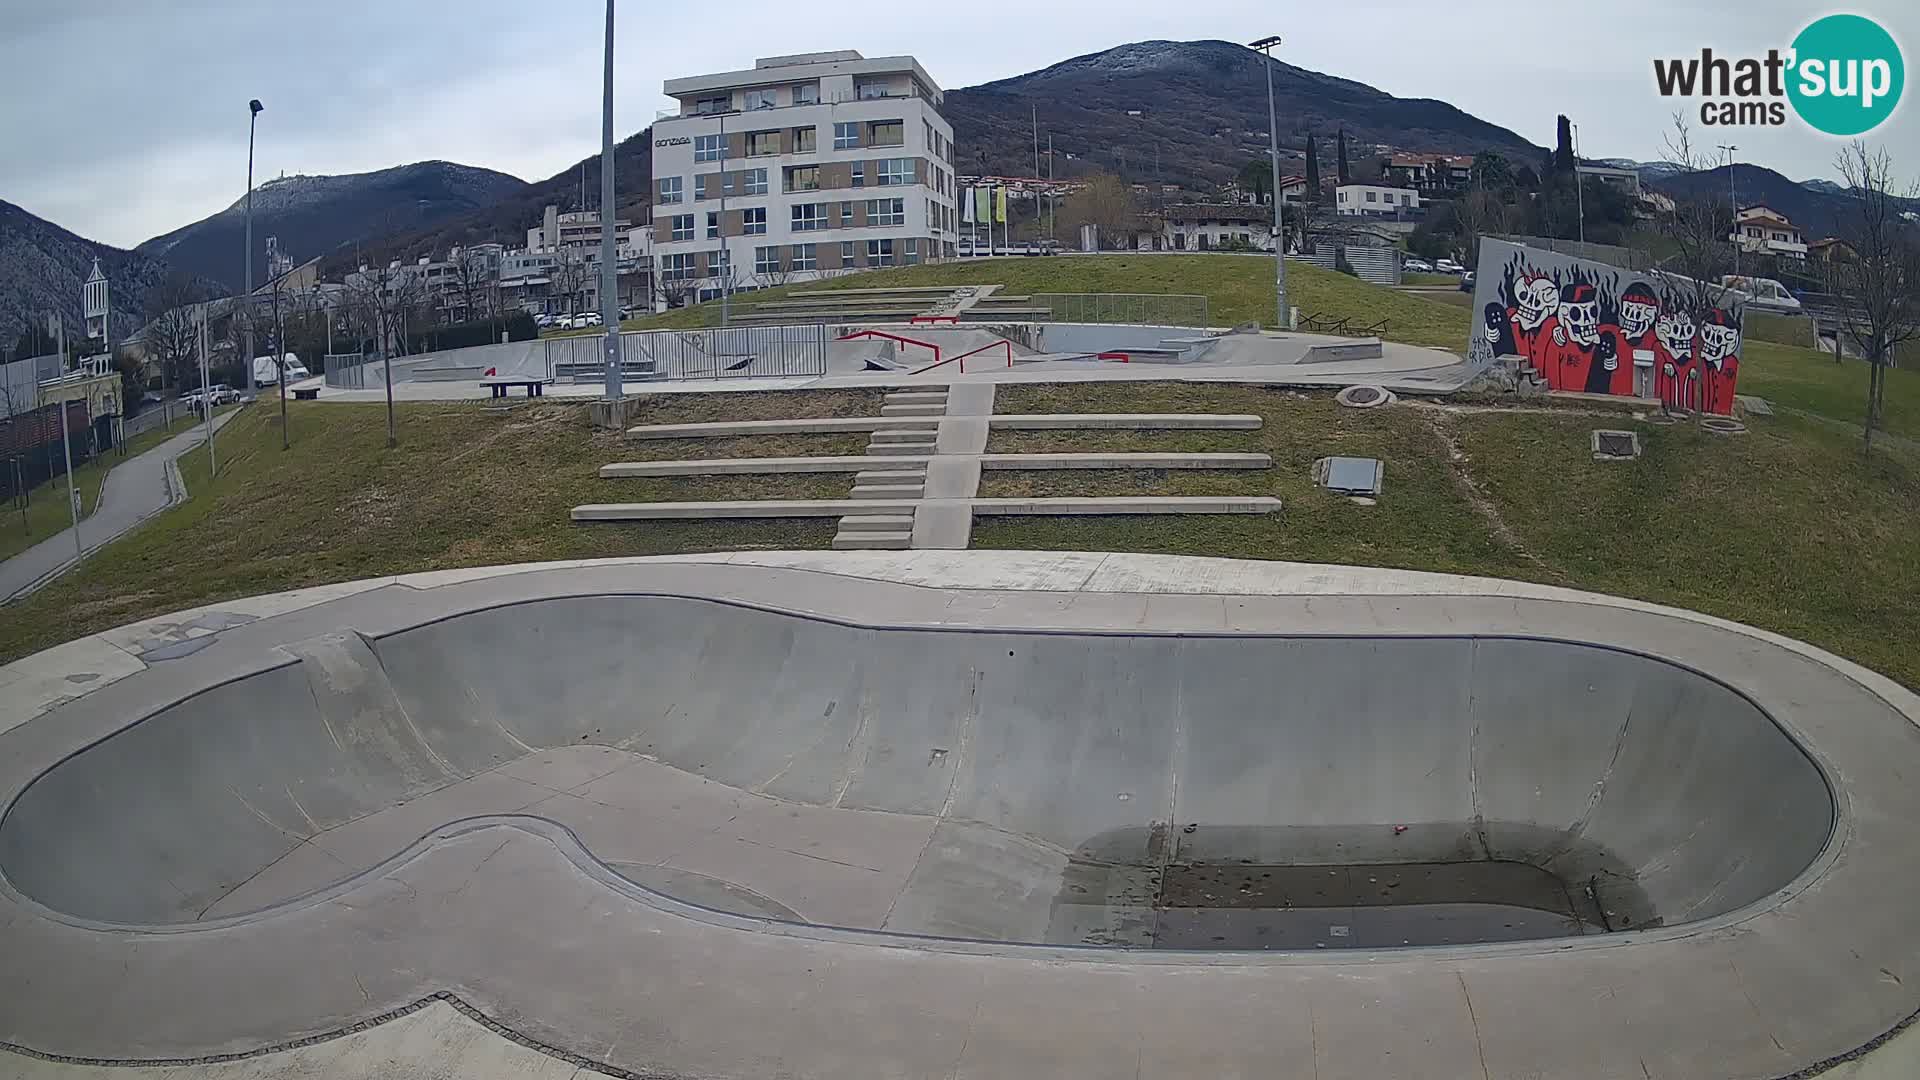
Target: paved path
135, 490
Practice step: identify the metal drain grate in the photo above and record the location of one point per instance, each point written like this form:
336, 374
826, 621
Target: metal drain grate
1616, 445
1350, 475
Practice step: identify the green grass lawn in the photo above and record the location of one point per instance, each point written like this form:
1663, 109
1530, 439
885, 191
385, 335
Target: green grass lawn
1812, 382
1238, 289
1787, 527
46, 511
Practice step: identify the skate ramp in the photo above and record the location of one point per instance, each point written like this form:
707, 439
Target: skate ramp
1096, 789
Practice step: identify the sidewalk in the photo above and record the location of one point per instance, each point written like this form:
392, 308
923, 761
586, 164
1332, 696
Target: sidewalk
135, 490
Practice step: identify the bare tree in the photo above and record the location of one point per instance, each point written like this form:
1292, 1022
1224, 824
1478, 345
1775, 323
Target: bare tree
1480, 212
569, 277
1105, 203
1699, 226
172, 333
472, 276
1878, 286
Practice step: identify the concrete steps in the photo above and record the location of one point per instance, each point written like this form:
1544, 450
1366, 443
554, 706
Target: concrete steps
903, 435
873, 541
877, 523
891, 476
915, 397
886, 491
914, 410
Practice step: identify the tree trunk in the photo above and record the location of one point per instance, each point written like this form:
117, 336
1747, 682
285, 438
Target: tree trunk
1873, 402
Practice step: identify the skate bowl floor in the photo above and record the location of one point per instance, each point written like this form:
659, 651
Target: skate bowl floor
1607, 829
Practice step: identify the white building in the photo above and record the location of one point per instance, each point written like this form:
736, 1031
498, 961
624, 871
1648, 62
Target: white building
804, 166
1762, 230
1374, 199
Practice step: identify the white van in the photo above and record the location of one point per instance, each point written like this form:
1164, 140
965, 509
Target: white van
267, 373
1764, 294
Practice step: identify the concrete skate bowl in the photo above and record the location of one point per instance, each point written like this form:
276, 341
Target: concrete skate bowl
1082, 789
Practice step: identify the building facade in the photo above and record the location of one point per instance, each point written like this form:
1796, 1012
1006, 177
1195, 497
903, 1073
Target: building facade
1762, 230
1365, 199
804, 166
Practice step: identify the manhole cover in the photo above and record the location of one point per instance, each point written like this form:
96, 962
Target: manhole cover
1721, 425
1363, 397
1350, 475
1615, 445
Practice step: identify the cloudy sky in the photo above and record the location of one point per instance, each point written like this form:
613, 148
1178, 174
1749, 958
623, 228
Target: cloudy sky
140, 125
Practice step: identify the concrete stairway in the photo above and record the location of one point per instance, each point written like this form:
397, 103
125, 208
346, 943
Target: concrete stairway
899, 472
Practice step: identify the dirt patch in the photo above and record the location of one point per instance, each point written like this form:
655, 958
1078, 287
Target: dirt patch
111, 603
1440, 422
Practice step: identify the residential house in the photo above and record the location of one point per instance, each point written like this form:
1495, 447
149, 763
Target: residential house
1761, 230
1373, 199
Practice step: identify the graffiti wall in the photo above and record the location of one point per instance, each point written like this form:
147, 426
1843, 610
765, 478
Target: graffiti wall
1588, 326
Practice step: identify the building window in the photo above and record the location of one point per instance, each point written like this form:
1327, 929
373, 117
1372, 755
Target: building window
807, 217
766, 260
1405, 199
1371, 196
880, 253
933, 140
803, 140
763, 143
753, 220
682, 227
806, 94
859, 174
720, 104
872, 90
894, 171
761, 99
676, 267
713, 224
846, 215
672, 189
912, 255
717, 262
708, 147
803, 178
886, 211
804, 257
846, 136
887, 133
1343, 196
846, 253
755, 181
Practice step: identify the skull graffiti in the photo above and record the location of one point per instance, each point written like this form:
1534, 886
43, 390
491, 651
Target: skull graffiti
1537, 300
1675, 330
1719, 338
1579, 313
1638, 309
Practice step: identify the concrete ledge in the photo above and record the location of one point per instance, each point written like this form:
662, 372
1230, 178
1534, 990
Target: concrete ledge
1128, 421
1140, 505
819, 425
1005, 462
742, 466
1362, 349
746, 508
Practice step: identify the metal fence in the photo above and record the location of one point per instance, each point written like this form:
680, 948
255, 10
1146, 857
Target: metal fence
345, 371
1371, 264
1146, 309
740, 352
1623, 257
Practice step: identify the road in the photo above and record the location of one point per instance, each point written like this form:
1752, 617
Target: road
135, 490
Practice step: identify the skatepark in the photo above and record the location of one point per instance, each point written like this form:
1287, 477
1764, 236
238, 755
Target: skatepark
962, 813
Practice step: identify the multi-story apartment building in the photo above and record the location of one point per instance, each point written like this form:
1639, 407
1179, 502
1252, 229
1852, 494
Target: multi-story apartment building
804, 166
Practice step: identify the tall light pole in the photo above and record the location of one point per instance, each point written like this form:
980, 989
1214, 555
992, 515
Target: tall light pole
1265, 45
725, 271
254, 109
609, 266
1734, 198
1579, 189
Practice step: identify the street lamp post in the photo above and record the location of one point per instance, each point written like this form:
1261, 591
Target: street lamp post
1265, 46
253, 113
1734, 198
1579, 190
609, 267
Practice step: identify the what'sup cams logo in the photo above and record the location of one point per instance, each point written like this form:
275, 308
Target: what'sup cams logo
1842, 75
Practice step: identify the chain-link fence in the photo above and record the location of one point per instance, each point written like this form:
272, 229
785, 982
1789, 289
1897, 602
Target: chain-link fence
1145, 309
740, 352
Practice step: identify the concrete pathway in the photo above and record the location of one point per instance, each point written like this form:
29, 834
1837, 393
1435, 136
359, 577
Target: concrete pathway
135, 490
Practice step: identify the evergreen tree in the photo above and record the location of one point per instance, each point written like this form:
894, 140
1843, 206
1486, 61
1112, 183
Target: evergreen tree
1345, 173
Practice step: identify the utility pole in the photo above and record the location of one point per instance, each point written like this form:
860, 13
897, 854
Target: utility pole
1733, 197
206, 402
609, 266
1051, 234
254, 108
1265, 46
66, 443
1036, 167
280, 360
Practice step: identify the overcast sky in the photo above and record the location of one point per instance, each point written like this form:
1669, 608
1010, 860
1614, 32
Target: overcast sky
140, 125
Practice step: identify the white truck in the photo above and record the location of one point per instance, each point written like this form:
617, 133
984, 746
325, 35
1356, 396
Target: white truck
1762, 294
266, 372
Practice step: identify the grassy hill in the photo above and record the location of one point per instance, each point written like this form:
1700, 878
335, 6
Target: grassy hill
1238, 288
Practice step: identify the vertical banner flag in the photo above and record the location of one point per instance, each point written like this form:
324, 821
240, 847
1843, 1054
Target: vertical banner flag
966, 208
1000, 205
983, 205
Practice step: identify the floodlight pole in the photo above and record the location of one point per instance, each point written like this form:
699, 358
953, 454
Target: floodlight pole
609, 265
1265, 46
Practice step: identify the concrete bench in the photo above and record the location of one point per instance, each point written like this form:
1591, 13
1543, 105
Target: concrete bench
305, 393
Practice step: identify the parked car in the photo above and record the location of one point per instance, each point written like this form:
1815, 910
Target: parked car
1448, 266
1417, 266
1466, 282
224, 394
585, 319
543, 320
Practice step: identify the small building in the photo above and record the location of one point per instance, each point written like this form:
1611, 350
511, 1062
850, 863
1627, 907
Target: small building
1626, 181
1762, 230
1429, 173
1217, 226
1364, 199
1829, 249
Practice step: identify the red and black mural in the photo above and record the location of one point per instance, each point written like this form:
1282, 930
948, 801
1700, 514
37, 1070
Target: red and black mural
1590, 327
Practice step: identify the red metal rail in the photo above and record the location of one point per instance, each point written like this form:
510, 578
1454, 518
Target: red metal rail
918, 319
989, 345
893, 337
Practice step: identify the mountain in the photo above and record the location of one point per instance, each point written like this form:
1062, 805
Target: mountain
1202, 113
1817, 206
43, 265
317, 215
506, 219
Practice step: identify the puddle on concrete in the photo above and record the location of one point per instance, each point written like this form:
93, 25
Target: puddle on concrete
1457, 896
